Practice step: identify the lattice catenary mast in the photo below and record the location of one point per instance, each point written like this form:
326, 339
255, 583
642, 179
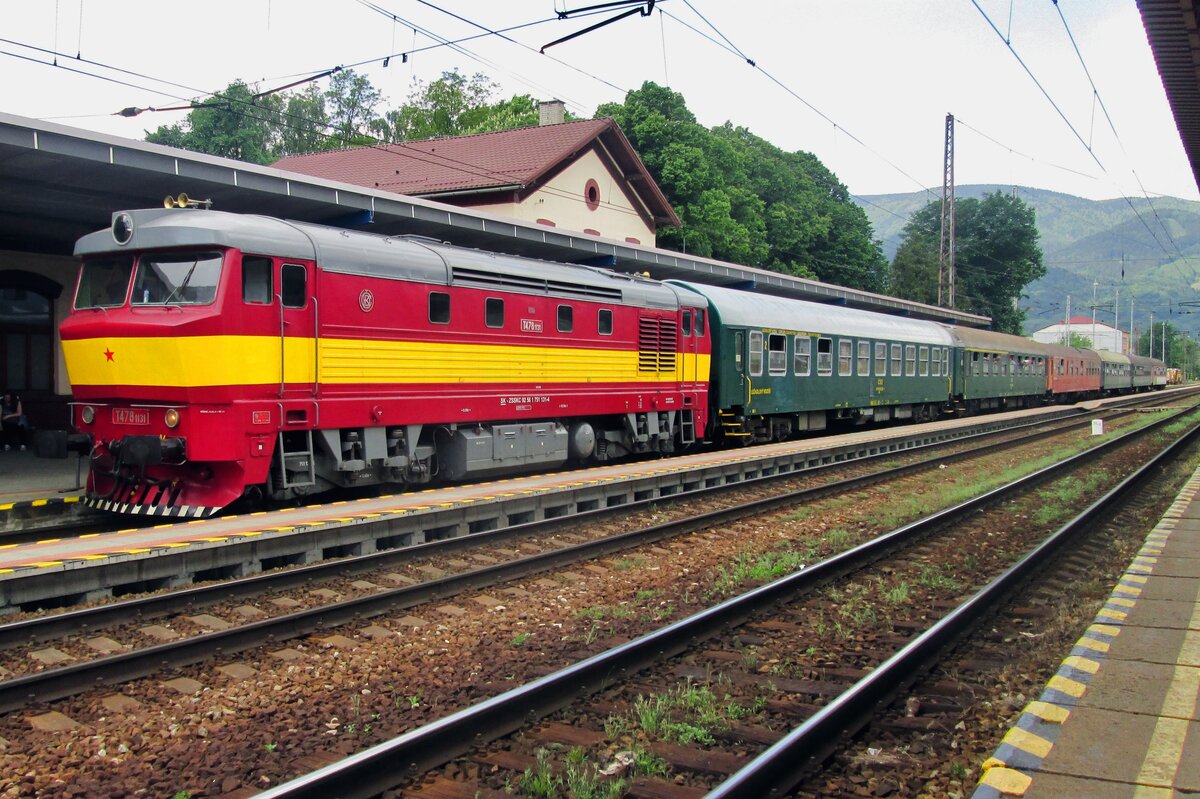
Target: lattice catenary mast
946, 247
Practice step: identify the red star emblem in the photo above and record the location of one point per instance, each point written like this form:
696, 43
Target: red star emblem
108, 353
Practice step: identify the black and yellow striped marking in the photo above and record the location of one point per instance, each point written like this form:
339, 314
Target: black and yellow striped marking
1011, 769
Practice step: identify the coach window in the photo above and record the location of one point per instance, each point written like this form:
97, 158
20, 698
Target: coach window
685, 323
257, 280
293, 282
604, 322
803, 355
864, 359
699, 321
824, 357
566, 319
897, 360
910, 360
439, 307
935, 365
493, 312
881, 360
756, 352
845, 357
777, 354
924, 362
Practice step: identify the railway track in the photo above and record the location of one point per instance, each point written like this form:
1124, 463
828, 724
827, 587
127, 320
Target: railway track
215, 644
301, 601
670, 694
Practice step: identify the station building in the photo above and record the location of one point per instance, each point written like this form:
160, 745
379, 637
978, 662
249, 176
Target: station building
1099, 335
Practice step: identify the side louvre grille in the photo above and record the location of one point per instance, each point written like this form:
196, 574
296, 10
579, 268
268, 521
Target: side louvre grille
656, 345
556, 288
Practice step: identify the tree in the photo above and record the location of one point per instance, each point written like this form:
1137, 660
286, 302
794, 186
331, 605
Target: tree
231, 123
454, 105
996, 257
351, 101
745, 200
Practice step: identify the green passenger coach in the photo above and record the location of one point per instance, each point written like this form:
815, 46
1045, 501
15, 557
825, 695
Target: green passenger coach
782, 366
994, 371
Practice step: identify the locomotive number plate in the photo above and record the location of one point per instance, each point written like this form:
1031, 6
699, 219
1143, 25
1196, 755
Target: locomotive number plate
130, 416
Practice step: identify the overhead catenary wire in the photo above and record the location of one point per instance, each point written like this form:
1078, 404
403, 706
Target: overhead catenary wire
730, 48
1112, 126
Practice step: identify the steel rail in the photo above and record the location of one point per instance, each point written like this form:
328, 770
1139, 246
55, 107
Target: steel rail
383, 766
42, 628
780, 768
115, 669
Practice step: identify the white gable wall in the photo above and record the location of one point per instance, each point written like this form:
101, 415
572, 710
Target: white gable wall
563, 201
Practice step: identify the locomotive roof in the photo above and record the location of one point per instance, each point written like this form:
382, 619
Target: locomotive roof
972, 338
390, 257
747, 309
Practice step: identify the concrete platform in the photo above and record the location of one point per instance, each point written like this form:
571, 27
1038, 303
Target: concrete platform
36, 492
1120, 718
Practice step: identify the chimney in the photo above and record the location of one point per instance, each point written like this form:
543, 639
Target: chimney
551, 112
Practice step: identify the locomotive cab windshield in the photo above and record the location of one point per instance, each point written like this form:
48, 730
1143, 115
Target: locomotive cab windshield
176, 278
104, 282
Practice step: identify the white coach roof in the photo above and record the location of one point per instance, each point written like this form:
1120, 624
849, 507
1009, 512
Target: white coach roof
747, 309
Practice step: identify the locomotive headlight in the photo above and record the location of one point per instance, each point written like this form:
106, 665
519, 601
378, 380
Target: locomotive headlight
171, 417
88, 414
122, 228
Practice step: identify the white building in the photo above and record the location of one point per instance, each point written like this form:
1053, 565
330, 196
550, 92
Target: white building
1099, 335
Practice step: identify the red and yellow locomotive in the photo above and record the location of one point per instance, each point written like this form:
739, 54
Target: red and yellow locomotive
213, 355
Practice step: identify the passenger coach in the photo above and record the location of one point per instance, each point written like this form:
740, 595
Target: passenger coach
783, 366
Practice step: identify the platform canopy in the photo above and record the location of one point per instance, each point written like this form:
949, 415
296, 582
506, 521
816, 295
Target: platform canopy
1174, 35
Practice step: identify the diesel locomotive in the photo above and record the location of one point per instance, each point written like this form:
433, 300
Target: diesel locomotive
215, 355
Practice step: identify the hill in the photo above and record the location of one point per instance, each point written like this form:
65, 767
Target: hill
1117, 244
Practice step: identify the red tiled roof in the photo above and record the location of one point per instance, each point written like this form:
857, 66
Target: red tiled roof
507, 159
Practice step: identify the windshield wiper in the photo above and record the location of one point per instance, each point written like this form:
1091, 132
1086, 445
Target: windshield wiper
183, 285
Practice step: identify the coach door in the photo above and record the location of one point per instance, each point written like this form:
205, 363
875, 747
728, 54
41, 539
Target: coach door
689, 347
739, 363
297, 332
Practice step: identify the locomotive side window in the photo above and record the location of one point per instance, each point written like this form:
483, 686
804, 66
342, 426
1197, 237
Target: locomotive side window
604, 321
493, 312
845, 357
293, 285
864, 358
104, 282
439, 307
897, 359
756, 352
881, 359
257, 280
910, 359
699, 322
924, 361
566, 319
685, 323
177, 278
824, 357
803, 355
777, 355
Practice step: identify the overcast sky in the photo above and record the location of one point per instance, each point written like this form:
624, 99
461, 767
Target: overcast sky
880, 74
